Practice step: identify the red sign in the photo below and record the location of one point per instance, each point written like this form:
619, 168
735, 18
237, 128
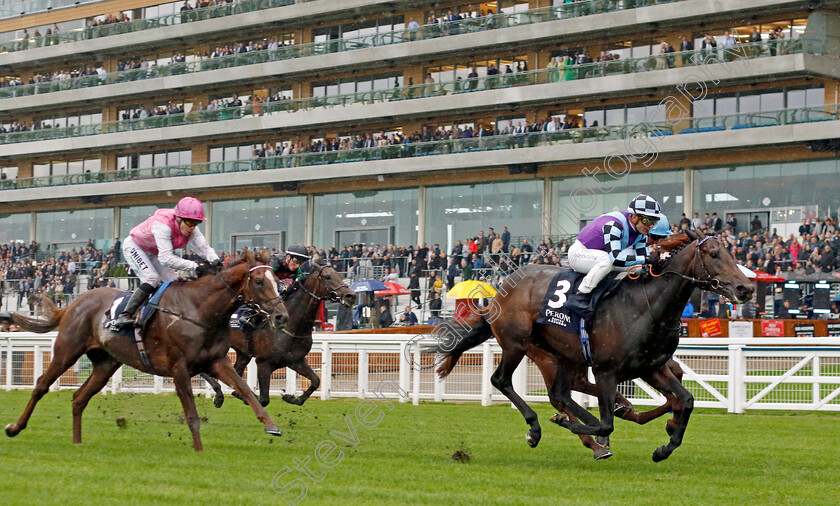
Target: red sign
329, 327
772, 328
710, 328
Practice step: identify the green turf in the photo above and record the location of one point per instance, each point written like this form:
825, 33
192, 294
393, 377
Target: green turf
764, 458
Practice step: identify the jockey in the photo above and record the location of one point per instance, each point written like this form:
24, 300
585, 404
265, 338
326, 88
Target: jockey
661, 230
616, 240
288, 265
148, 251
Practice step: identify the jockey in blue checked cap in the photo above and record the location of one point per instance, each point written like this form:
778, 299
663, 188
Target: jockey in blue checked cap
614, 241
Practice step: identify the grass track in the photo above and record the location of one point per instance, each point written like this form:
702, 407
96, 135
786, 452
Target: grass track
767, 458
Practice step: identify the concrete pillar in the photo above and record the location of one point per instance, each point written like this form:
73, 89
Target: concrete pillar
688, 193
309, 231
421, 214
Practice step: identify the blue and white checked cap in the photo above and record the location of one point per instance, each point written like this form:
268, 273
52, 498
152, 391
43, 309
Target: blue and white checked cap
645, 205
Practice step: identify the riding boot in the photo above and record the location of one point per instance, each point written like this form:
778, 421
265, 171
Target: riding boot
126, 318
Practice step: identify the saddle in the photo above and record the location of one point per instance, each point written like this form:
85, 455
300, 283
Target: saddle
564, 307
146, 311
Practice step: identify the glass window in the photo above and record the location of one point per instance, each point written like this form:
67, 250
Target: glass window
130, 217
93, 165
815, 97
614, 117
60, 228
573, 204
145, 161
772, 101
750, 103
41, 169
726, 105
217, 154
265, 217
391, 213
468, 209
14, 228
590, 117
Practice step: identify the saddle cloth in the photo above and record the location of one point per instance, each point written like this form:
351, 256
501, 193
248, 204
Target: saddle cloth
245, 319
146, 310
564, 307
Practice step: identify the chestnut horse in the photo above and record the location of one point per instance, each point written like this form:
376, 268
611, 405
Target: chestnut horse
189, 334
288, 346
635, 332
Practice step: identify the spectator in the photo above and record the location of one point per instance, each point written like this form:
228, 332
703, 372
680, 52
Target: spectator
385, 318
408, 318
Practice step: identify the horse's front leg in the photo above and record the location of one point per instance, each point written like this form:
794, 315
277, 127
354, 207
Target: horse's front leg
302, 367
224, 371
666, 382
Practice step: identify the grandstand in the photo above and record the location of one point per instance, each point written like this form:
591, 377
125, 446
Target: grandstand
406, 122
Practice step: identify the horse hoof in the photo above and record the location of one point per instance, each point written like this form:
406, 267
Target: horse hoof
293, 399
264, 403
661, 454
218, 401
602, 453
532, 441
603, 441
273, 430
11, 430
621, 409
559, 419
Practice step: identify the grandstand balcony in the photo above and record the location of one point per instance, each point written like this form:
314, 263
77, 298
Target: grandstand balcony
692, 136
744, 64
568, 24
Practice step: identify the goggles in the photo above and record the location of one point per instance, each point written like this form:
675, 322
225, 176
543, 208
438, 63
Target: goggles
191, 222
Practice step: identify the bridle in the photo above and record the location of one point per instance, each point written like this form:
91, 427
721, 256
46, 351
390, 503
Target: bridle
255, 305
331, 296
705, 280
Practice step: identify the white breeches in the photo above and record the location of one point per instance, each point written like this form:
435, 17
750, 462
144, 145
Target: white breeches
594, 263
145, 266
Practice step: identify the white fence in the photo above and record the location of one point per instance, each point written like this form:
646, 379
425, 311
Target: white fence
735, 374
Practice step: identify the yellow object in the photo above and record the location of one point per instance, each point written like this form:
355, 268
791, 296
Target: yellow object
471, 290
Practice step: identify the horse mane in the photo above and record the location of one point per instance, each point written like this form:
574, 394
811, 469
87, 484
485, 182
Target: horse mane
246, 257
673, 245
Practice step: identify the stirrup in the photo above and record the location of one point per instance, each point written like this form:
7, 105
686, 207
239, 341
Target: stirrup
116, 324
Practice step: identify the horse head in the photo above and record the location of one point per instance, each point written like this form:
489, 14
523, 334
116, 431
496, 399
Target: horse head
261, 288
715, 266
324, 282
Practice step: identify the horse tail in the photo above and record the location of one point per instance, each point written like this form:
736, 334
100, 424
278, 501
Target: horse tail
456, 337
52, 313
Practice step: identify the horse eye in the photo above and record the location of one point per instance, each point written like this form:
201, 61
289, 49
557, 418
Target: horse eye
328, 277
713, 254
258, 281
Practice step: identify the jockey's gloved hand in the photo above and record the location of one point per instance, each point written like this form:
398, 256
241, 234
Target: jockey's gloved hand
217, 264
204, 268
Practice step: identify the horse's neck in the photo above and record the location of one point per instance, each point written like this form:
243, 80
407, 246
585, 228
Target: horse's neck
302, 308
218, 299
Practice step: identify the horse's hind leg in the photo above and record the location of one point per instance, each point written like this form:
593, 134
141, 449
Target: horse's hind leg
242, 360
225, 372
219, 398
303, 368
104, 366
264, 380
501, 379
666, 382
547, 365
183, 387
65, 355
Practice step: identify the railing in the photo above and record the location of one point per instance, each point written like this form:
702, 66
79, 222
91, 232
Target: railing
829, 112
27, 7
425, 32
544, 76
299, 51
94, 32
734, 374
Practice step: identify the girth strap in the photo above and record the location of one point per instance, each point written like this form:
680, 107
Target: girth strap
141, 348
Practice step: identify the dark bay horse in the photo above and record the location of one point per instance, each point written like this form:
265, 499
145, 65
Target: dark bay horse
190, 334
288, 346
635, 332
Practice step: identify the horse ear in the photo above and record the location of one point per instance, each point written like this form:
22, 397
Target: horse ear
263, 256
691, 234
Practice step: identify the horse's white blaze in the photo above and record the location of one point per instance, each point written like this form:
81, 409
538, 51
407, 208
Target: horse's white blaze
273, 285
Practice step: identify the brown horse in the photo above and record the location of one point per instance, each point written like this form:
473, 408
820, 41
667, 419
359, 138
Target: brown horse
635, 332
288, 346
189, 334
